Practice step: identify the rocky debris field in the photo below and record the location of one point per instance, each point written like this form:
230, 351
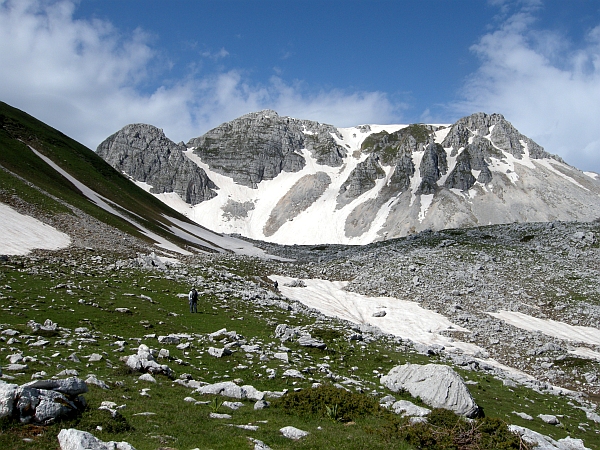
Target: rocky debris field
122, 325
548, 271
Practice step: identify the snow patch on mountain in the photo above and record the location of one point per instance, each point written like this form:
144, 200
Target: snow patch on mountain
560, 330
21, 234
402, 318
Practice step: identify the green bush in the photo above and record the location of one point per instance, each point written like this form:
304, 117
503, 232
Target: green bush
446, 431
329, 402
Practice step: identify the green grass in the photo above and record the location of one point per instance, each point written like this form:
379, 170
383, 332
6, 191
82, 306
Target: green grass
96, 292
19, 130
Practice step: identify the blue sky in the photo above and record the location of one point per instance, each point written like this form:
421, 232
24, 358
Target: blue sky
89, 67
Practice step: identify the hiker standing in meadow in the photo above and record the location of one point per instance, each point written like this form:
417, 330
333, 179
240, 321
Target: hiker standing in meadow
193, 298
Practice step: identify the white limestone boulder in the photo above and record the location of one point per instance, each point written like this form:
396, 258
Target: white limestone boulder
293, 433
72, 439
439, 386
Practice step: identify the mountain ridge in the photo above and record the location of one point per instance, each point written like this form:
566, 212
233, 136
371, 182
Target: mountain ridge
293, 181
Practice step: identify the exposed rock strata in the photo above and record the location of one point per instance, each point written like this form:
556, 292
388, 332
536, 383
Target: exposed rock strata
259, 146
144, 153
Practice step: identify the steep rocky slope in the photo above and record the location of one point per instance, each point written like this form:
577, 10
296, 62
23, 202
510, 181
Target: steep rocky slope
145, 154
296, 181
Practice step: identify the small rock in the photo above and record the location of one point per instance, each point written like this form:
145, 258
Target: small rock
549, 419
293, 433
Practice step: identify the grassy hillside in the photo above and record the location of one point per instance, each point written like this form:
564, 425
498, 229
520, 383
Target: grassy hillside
82, 291
19, 130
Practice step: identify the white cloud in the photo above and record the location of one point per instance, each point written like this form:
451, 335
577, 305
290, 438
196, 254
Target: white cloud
88, 80
547, 86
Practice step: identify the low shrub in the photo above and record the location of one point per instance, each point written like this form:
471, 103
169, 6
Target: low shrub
94, 419
446, 431
329, 402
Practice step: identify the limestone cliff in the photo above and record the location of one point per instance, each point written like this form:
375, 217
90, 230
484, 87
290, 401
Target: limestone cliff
144, 153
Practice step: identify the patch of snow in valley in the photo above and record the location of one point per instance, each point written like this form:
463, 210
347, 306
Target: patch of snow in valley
585, 352
451, 161
202, 236
103, 203
592, 175
426, 200
416, 179
560, 330
21, 234
403, 318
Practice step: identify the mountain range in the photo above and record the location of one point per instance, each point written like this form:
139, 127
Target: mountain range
512, 308
291, 181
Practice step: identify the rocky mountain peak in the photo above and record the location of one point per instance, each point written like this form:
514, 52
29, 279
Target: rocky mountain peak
144, 153
259, 146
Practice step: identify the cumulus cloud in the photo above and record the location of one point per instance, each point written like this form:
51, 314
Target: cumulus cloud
546, 85
87, 79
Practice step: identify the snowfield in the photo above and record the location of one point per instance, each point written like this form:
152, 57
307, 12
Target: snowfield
402, 318
21, 234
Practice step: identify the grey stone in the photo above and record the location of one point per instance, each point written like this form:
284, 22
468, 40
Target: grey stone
213, 415
8, 395
225, 388
308, 341
292, 373
437, 385
72, 439
69, 386
218, 352
407, 408
168, 339
549, 419
233, 405
293, 433
542, 442
147, 377
259, 445
261, 404
252, 393
523, 415
93, 379
95, 357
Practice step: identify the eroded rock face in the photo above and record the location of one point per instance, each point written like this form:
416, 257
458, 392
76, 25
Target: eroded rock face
259, 146
361, 180
303, 194
501, 133
144, 153
437, 385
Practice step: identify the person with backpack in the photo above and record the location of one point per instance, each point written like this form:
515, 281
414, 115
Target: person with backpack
193, 298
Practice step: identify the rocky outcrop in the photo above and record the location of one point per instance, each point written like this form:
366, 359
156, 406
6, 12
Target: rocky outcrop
433, 166
144, 153
72, 439
42, 401
259, 146
396, 149
437, 385
144, 362
361, 180
498, 130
